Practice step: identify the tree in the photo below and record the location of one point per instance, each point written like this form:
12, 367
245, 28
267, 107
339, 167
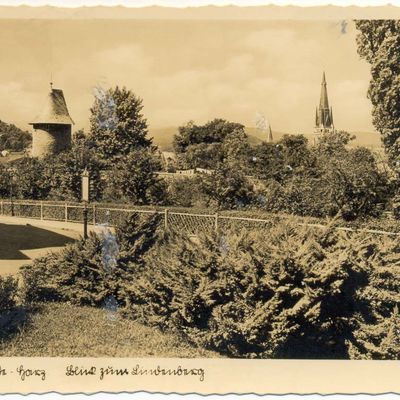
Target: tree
5, 181
186, 192
227, 187
237, 150
379, 44
64, 171
354, 185
333, 143
13, 138
278, 161
134, 178
117, 125
29, 179
202, 145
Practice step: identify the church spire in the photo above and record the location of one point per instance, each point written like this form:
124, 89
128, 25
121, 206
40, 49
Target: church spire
270, 138
323, 102
324, 115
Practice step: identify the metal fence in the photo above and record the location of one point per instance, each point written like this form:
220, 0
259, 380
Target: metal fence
190, 223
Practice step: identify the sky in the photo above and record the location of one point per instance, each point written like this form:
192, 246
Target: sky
194, 3
188, 70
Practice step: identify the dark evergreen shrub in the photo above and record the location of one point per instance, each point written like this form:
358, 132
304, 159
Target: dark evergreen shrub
295, 293
8, 292
90, 272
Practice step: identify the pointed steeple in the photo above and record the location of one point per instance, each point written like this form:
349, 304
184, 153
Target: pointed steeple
323, 102
270, 137
324, 119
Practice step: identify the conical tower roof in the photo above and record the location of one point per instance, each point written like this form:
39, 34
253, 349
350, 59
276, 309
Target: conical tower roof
55, 110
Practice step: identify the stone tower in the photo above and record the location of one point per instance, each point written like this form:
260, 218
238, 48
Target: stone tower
323, 115
52, 129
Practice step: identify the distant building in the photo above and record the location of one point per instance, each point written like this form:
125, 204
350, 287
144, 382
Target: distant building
270, 138
168, 159
184, 173
263, 124
323, 115
52, 128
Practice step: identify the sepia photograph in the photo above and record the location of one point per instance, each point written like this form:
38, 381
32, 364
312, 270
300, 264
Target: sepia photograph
199, 183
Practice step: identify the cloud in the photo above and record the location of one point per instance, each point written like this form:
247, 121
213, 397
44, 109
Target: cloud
197, 70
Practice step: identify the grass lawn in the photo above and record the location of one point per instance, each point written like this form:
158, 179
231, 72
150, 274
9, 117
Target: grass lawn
63, 330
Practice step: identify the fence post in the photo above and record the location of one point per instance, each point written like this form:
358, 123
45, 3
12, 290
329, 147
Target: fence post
166, 218
94, 214
66, 212
2, 206
41, 209
216, 222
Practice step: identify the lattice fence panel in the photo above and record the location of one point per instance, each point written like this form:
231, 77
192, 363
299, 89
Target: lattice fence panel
75, 214
54, 212
191, 224
22, 210
113, 217
232, 224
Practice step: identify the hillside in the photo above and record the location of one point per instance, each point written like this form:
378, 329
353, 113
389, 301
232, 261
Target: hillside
13, 138
163, 137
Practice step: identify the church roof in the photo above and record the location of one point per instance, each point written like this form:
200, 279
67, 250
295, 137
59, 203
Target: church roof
55, 110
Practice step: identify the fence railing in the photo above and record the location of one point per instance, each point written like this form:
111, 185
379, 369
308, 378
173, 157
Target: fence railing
191, 223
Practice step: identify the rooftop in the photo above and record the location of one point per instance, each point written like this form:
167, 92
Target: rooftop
55, 110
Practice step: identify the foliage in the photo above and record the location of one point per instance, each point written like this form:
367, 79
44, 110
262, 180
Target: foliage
205, 146
227, 188
237, 150
299, 294
88, 272
28, 179
117, 125
379, 44
302, 293
13, 138
299, 195
134, 179
355, 186
186, 192
283, 159
8, 292
326, 180
63, 171
75, 274
5, 181
378, 337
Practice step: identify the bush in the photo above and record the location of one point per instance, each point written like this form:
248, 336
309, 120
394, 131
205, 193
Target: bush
8, 292
299, 195
228, 188
300, 294
90, 272
185, 192
133, 178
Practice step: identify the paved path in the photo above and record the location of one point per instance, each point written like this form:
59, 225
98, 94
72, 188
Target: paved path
23, 239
